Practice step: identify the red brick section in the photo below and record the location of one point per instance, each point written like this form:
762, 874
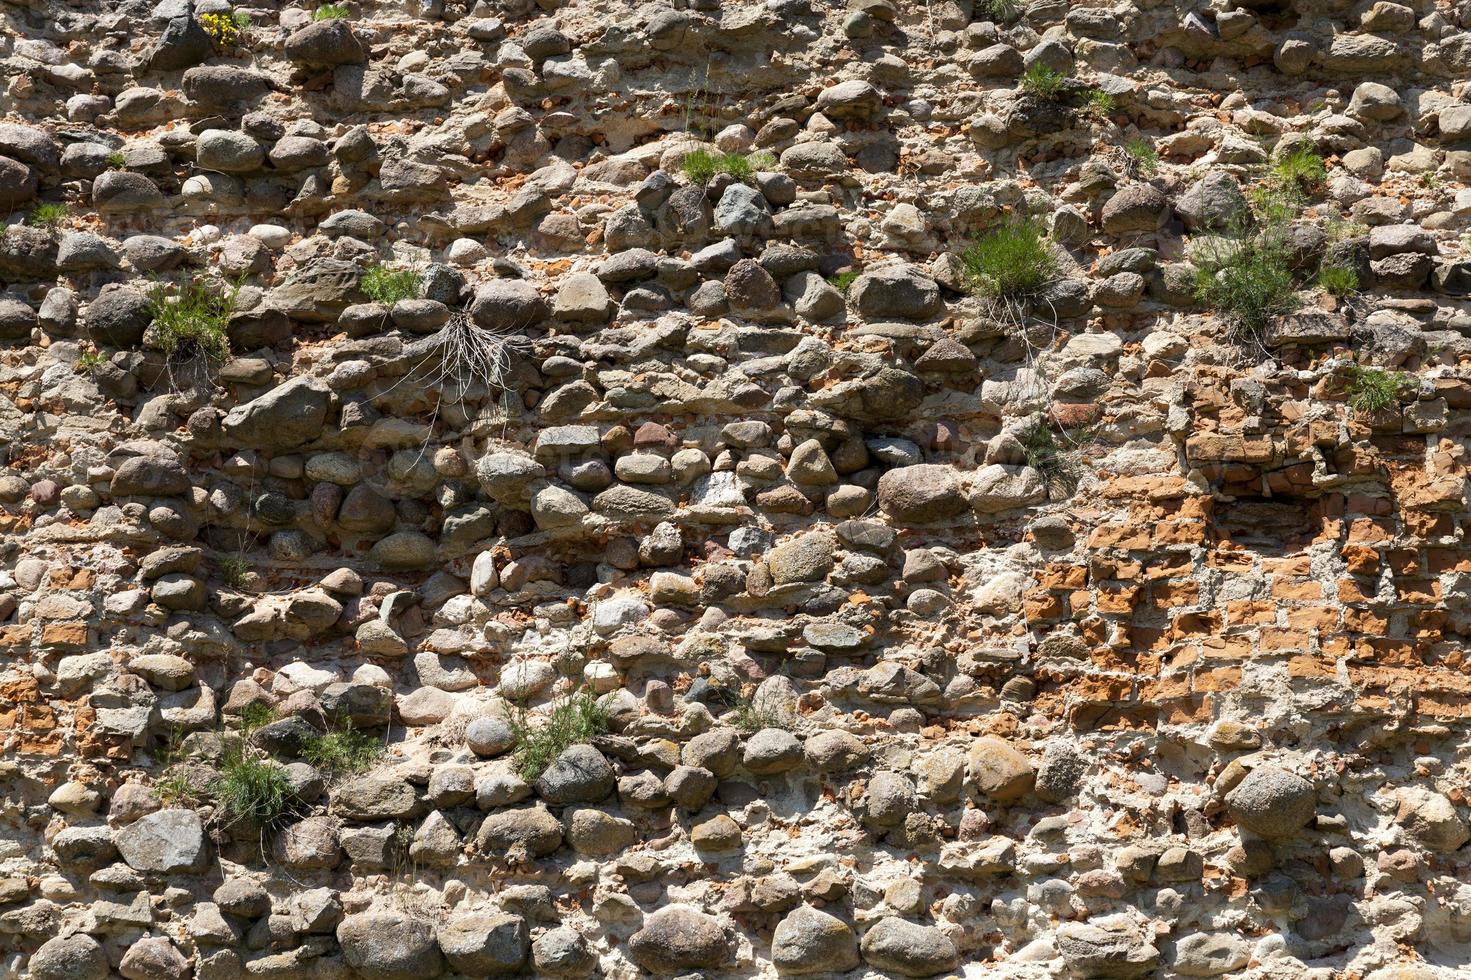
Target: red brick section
1179, 609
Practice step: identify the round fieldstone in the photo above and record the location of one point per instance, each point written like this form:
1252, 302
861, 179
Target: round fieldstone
678, 938
1272, 802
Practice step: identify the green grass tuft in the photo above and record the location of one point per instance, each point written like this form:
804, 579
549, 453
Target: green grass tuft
1338, 280
843, 280
255, 715
330, 11
1045, 454
343, 752
192, 324
117, 159
252, 790
1100, 104
1043, 82
749, 719
572, 721
234, 569
1249, 281
1301, 168
998, 10
1371, 390
1012, 261
47, 215
1144, 155
702, 166
388, 286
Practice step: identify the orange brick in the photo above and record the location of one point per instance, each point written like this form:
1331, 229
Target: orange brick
1313, 617
1417, 590
1218, 679
1307, 591
1365, 621
1310, 665
1281, 640
1175, 593
1251, 611
69, 636
1361, 560
1041, 605
1126, 536
1352, 590
1117, 600
1364, 530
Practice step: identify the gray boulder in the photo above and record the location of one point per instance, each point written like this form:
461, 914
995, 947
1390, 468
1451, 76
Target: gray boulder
285, 417
895, 292
485, 945
511, 305
318, 291
18, 182
1213, 202
812, 941
921, 494
580, 775
1138, 209
228, 151
389, 946
531, 831
1106, 947
164, 842
1272, 802
325, 43
74, 957
119, 191
677, 939
909, 949
562, 952
118, 317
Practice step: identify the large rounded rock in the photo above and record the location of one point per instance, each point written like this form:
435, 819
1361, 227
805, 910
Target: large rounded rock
1138, 209
999, 770
530, 831
485, 945
228, 151
580, 775
508, 305
118, 317
909, 949
1109, 946
283, 418
389, 946
324, 44
153, 958
812, 941
921, 494
562, 952
1272, 802
1432, 820
895, 292
405, 550
805, 558
318, 291
118, 191
1213, 202
854, 99
678, 938
17, 182
74, 957
163, 842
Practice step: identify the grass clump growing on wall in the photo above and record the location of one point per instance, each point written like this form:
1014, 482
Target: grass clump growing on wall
572, 721
1012, 261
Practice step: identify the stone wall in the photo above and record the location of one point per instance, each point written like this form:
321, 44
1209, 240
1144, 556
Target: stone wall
888, 624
